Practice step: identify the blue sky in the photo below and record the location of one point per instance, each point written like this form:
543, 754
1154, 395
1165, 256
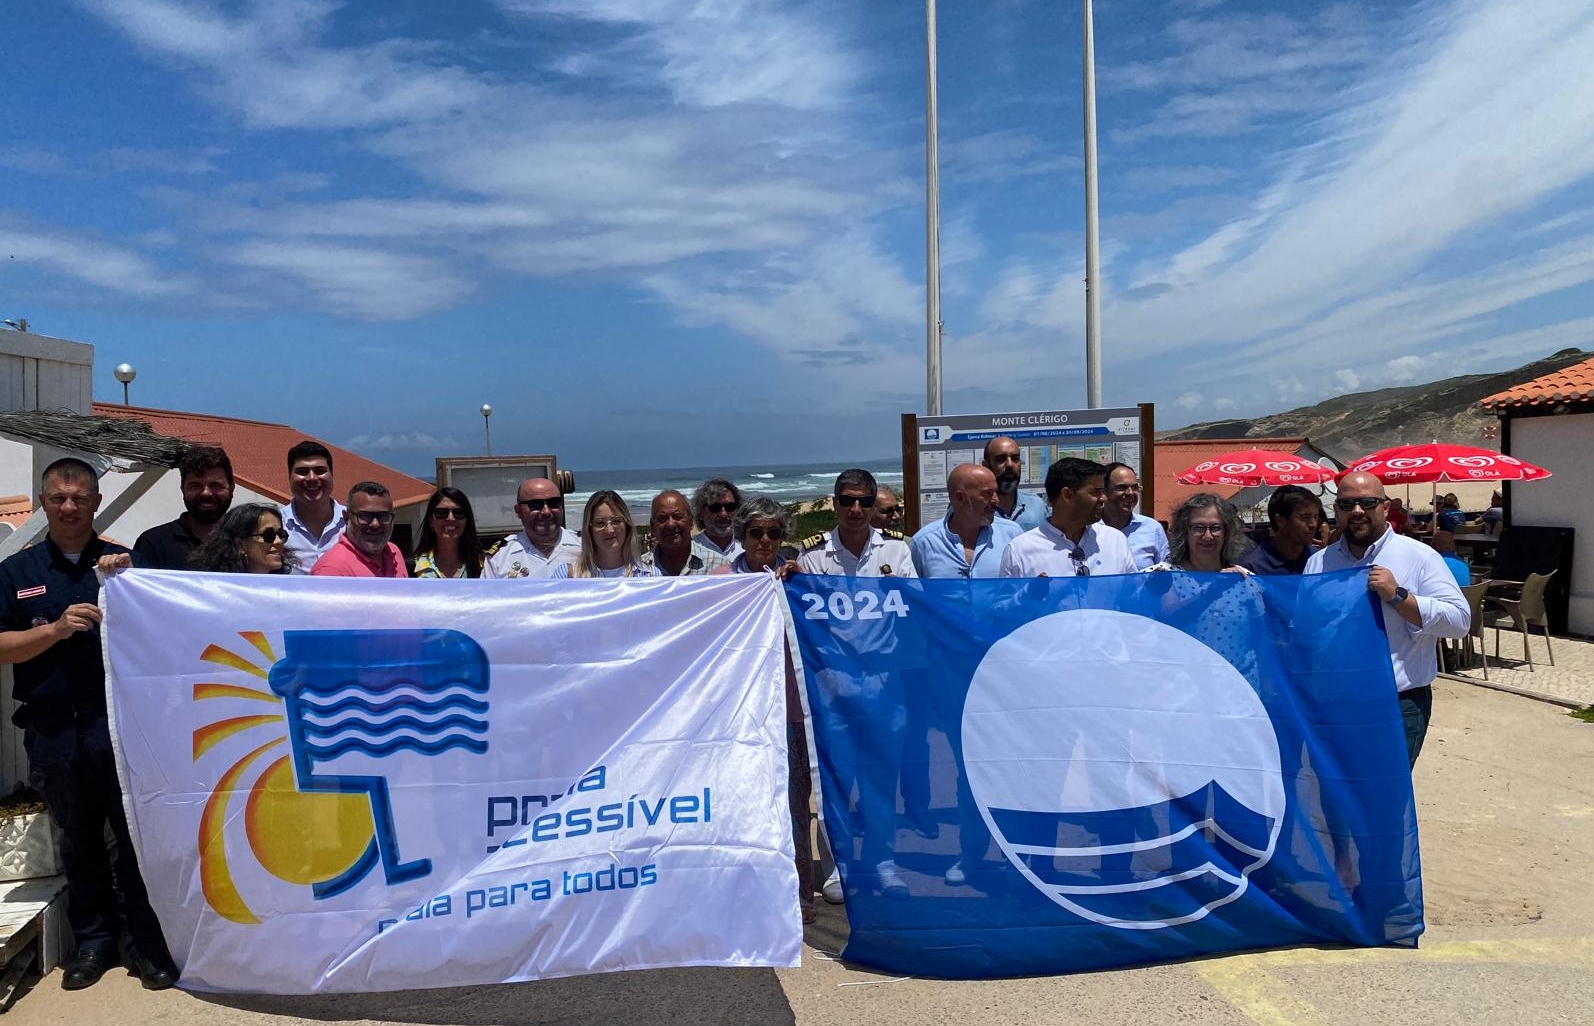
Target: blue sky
690, 232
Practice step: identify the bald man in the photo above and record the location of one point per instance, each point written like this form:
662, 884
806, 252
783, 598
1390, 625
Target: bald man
969, 540
1415, 590
1005, 459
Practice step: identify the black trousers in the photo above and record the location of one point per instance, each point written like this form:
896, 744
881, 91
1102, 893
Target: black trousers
71, 765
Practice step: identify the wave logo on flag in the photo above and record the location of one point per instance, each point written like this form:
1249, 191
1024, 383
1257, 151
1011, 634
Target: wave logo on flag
1139, 793
348, 701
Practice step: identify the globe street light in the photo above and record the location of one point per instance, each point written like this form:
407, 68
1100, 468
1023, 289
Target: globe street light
125, 374
487, 426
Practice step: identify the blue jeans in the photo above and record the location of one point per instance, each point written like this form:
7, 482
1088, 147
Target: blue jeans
1416, 709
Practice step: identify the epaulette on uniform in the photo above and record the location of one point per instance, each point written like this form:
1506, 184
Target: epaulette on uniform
892, 533
813, 541
494, 547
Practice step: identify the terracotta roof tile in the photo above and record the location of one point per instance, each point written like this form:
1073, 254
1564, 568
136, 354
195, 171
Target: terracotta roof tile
258, 450
1574, 384
14, 509
1173, 457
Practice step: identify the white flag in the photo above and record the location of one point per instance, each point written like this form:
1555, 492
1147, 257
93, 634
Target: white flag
355, 785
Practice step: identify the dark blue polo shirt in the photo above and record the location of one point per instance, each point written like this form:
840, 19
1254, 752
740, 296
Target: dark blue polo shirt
165, 546
1264, 559
36, 586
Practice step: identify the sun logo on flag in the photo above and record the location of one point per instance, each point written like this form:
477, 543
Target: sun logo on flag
315, 811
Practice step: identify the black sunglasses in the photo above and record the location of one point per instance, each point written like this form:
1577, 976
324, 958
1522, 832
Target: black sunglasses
891, 512
1080, 567
760, 533
866, 501
448, 513
270, 535
538, 505
367, 518
1367, 502
723, 507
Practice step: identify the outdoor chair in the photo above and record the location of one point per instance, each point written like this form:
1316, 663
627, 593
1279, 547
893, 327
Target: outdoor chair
1476, 595
1521, 613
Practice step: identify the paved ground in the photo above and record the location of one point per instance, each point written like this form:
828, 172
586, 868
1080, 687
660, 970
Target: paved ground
1506, 795
1571, 679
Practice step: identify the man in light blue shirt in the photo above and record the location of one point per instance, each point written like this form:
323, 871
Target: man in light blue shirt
969, 540
1004, 459
1148, 542
313, 519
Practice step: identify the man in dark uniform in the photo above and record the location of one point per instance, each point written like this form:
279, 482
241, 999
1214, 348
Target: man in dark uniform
49, 634
205, 474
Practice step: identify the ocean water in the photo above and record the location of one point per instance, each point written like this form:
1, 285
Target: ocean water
793, 482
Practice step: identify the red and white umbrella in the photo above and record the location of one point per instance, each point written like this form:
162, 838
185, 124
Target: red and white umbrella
1248, 468
1419, 464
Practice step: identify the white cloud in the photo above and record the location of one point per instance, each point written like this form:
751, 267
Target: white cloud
1189, 401
367, 283
93, 261
402, 440
1404, 369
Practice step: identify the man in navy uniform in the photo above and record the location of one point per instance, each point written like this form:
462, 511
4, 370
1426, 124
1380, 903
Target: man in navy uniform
49, 634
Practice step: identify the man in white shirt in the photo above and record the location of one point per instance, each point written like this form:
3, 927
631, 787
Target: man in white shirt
853, 548
313, 519
1416, 591
1072, 543
1148, 542
543, 544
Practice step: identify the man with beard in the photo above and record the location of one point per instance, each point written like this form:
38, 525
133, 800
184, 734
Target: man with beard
1416, 594
544, 545
714, 507
1003, 458
205, 474
1073, 542
675, 552
363, 550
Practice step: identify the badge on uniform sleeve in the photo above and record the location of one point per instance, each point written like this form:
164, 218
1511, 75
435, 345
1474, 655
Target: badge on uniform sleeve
27, 593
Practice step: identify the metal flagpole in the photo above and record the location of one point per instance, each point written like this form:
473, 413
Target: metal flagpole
1092, 236
932, 225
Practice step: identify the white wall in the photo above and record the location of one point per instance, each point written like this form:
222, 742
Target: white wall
38, 372
1561, 445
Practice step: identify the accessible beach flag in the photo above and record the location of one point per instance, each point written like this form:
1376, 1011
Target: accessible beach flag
366, 785
1040, 776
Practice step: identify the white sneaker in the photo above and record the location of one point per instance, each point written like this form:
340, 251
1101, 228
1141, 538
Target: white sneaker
831, 891
954, 875
891, 884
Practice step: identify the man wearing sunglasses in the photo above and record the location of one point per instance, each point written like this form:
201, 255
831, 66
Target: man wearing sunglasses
887, 513
854, 547
1415, 590
543, 544
714, 507
1073, 542
364, 550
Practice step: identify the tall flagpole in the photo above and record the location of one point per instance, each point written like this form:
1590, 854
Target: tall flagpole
1092, 236
932, 225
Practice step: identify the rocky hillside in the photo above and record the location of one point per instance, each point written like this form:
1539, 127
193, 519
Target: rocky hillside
1349, 426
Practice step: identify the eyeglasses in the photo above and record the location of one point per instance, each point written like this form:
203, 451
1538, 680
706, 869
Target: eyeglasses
270, 535
538, 505
1366, 502
607, 522
1119, 489
448, 513
760, 533
1081, 569
723, 507
866, 501
1206, 528
890, 512
367, 519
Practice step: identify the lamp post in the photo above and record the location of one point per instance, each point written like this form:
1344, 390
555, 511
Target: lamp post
487, 426
125, 374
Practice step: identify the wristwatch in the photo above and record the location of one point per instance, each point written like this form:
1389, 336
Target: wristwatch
1398, 597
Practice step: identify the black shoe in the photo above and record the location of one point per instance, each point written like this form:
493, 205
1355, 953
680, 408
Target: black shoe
87, 967
154, 975
924, 826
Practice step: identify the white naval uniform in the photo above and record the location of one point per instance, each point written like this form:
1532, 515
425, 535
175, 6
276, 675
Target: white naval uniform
882, 557
518, 557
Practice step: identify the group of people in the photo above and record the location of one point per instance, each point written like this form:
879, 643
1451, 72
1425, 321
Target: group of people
1086, 523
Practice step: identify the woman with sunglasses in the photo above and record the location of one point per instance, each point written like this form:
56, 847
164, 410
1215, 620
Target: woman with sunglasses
608, 541
760, 527
448, 546
249, 539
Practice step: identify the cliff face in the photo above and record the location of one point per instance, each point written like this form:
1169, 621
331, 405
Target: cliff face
1353, 425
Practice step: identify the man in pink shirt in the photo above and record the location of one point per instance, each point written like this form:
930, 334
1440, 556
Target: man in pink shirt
363, 550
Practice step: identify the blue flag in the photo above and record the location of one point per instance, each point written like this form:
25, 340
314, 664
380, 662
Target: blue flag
1050, 775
